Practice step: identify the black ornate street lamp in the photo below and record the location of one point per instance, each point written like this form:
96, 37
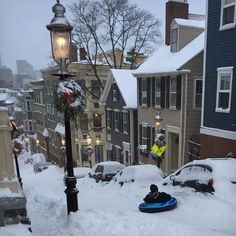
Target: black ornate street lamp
60, 31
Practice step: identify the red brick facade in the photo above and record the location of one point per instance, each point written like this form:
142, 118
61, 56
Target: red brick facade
212, 146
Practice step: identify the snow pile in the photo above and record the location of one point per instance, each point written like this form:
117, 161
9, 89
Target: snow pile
111, 210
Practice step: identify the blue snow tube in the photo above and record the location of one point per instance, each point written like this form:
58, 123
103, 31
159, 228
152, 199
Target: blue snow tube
158, 207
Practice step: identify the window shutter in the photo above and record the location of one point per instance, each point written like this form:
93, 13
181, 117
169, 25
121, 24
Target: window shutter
163, 91
148, 91
106, 118
140, 134
121, 122
167, 91
113, 119
153, 135
112, 95
153, 91
148, 138
140, 91
178, 96
129, 122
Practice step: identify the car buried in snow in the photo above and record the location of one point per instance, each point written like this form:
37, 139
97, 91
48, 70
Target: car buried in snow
206, 175
104, 171
139, 173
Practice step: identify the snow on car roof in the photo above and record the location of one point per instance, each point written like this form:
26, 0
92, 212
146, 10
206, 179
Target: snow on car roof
223, 168
141, 172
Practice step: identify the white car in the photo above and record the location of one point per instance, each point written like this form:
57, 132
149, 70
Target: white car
138, 173
204, 175
39, 162
104, 171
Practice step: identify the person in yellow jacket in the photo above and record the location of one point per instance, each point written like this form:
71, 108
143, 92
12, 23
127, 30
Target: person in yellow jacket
158, 149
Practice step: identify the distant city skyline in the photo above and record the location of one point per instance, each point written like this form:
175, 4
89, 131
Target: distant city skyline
24, 35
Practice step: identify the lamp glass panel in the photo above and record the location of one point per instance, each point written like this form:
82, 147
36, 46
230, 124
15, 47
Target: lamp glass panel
60, 45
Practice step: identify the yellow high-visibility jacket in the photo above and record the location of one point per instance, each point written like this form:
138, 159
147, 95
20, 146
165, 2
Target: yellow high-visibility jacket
158, 150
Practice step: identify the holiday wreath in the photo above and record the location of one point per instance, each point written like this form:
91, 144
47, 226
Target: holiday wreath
70, 96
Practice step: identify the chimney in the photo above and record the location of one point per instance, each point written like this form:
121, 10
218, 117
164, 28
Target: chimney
73, 53
175, 9
82, 54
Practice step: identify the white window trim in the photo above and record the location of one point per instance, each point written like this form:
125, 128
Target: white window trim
173, 107
114, 98
220, 71
116, 122
177, 40
194, 99
157, 105
127, 123
230, 25
144, 93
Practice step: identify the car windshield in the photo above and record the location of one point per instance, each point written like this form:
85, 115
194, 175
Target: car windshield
113, 169
202, 173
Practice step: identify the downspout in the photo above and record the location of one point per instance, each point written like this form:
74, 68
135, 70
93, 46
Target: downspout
185, 117
131, 120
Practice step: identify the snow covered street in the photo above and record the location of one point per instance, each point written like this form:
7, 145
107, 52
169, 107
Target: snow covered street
109, 210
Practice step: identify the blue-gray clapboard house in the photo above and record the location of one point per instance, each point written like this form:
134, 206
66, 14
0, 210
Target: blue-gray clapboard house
218, 128
120, 100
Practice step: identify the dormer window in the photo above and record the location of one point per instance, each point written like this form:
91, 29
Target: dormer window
227, 14
115, 92
174, 40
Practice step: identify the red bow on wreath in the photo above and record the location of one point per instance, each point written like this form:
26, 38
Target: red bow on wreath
68, 96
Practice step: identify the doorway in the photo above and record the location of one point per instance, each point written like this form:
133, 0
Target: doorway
173, 152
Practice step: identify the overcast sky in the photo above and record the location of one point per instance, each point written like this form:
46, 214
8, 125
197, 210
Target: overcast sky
24, 34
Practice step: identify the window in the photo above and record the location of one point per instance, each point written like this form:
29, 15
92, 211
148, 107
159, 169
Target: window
84, 123
30, 126
125, 122
96, 93
28, 106
144, 91
228, 14
84, 153
174, 39
98, 153
97, 121
173, 92
109, 119
115, 92
224, 83
144, 135
198, 93
158, 92
117, 120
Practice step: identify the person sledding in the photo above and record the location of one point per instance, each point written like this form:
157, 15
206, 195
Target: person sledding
154, 196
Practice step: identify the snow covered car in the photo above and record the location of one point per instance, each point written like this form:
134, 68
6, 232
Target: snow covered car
105, 171
39, 162
79, 172
138, 173
204, 175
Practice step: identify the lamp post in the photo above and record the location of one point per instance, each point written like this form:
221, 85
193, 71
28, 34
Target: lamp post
158, 120
60, 32
63, 149
90, 149
156, 149
37, 145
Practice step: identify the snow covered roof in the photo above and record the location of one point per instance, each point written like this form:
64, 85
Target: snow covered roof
165, 61
45, 133
3, 96
127, 85
190, 23
60, 128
